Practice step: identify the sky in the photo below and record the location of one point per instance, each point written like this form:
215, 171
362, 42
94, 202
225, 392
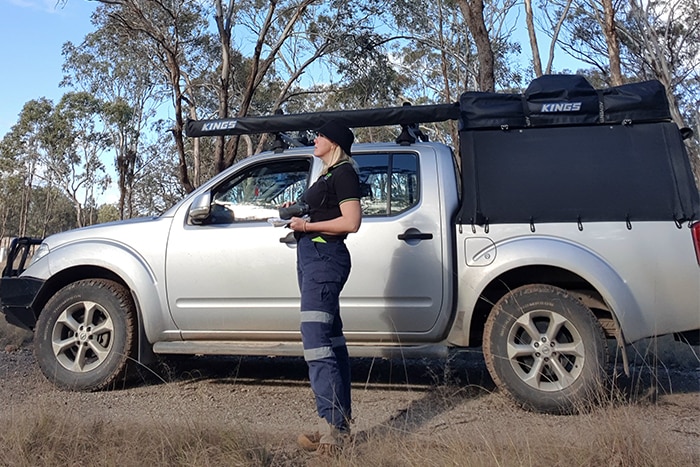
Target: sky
32, 33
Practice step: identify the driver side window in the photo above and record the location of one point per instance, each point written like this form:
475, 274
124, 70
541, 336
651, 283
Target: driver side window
256, 193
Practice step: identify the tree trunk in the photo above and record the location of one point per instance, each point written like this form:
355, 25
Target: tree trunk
178, 129
473, 11
133, 17
536, 62
224, 24
612, 42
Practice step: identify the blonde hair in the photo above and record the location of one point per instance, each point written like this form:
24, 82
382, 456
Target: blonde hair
337, 156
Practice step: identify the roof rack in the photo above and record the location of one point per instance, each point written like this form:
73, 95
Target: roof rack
407, 115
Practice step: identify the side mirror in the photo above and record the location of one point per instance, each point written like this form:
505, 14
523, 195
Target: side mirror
200, 209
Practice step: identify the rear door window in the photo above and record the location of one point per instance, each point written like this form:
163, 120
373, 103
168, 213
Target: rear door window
389, 183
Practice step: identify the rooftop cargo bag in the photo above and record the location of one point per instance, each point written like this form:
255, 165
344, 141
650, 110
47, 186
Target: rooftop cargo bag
556, 100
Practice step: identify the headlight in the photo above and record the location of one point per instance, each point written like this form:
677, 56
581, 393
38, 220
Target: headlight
40, 252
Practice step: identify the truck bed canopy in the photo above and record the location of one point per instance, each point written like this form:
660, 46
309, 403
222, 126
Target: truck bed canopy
577, 174
565, 152
561, 151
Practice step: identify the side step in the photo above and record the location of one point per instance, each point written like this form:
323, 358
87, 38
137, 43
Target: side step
294, 349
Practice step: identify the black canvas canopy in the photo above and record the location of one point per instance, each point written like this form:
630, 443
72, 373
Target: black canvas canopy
577, 174
565, 152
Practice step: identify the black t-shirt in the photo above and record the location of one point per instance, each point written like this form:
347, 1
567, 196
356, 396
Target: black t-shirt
325, 196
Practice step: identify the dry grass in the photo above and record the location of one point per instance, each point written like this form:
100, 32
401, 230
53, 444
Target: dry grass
620, 432
59, 439
615, 441
615, 438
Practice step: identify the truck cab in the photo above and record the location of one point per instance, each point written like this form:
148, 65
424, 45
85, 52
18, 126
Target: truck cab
243, 263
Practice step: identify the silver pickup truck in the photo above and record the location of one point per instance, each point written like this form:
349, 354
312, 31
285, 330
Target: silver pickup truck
566, 226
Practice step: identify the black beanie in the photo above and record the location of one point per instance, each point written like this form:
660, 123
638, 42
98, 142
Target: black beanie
339, 134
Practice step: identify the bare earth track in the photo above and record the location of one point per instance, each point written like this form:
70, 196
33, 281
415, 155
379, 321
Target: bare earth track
421, 399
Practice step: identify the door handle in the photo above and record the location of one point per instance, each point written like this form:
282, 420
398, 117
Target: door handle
288, 239
414, 234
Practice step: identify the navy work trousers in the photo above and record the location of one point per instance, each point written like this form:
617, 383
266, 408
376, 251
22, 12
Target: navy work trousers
322, 270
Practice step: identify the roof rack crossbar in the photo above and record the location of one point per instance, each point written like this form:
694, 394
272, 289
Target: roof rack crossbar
405, 115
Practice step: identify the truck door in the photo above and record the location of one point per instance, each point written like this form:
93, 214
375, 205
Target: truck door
396, 281
237, 275
232, 275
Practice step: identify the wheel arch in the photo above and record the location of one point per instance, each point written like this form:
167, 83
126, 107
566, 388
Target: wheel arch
539, 274
558, 263
112, 261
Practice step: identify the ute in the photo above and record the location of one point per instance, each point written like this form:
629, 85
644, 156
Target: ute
565, 228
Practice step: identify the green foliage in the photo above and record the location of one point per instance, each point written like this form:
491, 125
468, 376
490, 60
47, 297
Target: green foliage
107, 213
159, 189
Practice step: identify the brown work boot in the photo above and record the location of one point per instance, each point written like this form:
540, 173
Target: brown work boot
327, 441
309, 441
332, 441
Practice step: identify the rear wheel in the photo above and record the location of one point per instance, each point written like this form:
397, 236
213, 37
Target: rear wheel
86, 334
546, 350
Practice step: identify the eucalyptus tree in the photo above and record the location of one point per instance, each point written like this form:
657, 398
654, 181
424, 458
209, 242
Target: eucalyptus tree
51, 212
473, 11
551, 20
436, 52
662, 41
476, 25
11, 205
159, 188
268, 27
73, 144
556, 16
608, 24
31, 203
356, 70
20, 152
109, 65
107, 213
657, 39
7, 227
166, 34
299, 50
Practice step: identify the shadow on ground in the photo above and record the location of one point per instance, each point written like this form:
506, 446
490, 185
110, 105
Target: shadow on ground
460, 369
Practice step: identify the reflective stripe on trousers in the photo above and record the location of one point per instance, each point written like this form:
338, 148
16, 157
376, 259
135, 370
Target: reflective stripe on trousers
322, 270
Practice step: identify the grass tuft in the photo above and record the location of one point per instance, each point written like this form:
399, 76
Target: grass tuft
54, 439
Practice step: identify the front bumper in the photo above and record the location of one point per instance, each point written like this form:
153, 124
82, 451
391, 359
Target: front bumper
17, 295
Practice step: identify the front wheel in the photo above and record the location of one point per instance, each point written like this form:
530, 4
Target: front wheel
546, 350
86, 335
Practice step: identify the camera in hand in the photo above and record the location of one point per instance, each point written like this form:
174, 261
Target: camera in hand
295, 210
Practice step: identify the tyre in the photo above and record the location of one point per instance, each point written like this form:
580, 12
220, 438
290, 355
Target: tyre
86, 335
546, 350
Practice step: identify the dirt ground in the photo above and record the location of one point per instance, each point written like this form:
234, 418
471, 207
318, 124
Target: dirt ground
420, 398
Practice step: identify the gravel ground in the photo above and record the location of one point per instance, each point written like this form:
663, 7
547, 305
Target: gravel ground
426, 399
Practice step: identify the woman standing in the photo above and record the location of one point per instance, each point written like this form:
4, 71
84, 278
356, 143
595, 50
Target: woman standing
323, 266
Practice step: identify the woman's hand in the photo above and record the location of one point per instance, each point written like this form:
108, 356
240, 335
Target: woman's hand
298, 224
